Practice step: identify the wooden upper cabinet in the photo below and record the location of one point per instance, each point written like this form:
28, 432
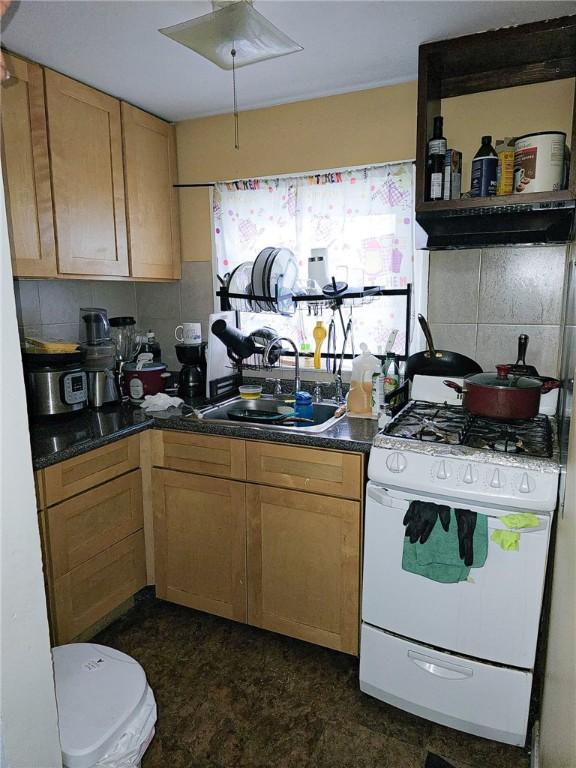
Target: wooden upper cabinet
87, 178
27, 171
151, 200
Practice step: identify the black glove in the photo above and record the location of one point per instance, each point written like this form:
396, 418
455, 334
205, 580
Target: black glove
466, 521
421, 518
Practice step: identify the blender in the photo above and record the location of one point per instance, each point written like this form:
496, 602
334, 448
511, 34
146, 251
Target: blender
98, 356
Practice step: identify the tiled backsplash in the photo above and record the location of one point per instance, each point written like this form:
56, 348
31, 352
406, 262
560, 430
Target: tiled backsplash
50, 308
480, 301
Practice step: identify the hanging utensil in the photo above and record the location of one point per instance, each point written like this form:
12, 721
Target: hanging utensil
438, 362
331, 347
319, 334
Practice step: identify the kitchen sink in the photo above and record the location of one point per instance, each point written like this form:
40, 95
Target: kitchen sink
323, 414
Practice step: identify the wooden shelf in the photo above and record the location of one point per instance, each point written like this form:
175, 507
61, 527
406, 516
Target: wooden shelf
502, 58
469, 203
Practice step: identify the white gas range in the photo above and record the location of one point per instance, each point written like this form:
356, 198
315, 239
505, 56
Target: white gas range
461, 654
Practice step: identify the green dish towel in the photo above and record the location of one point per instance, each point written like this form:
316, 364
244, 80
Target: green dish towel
439, 558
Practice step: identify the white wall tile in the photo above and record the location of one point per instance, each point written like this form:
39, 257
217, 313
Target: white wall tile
158, 300
60, 300
499, 344
27, 301
455, 337
453, 286
117, 296
522, 285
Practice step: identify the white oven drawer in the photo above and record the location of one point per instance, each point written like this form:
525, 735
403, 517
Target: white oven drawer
488, 701
493, 616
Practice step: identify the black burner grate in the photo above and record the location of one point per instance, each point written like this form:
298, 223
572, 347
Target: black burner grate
451, 424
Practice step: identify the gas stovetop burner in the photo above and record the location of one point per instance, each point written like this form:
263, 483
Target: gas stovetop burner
453, 425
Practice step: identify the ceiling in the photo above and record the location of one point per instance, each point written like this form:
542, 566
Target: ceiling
116, 46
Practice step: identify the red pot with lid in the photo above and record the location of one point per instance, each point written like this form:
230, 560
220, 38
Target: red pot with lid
502, 395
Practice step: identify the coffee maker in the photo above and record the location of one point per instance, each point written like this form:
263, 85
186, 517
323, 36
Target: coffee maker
98, 357
192, 377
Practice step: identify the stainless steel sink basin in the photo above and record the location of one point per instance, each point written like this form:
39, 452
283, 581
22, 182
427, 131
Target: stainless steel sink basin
218, 414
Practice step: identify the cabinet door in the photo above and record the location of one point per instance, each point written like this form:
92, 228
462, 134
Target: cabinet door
93, 589
87, 178
304, 566
200, 542
27, 171
151, 200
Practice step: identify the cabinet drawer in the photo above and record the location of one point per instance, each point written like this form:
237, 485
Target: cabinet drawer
306, 469
201, 454
89, 592
83, 472
86, 525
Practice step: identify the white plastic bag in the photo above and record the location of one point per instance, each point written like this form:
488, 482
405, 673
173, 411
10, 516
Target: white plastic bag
129, 749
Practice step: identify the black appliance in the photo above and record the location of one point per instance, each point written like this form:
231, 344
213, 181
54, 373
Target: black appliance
192, 377
518, 224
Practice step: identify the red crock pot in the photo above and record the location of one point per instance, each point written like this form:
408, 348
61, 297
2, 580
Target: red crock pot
148, 379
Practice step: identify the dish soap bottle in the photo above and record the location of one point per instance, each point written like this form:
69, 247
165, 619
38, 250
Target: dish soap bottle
484, 170
303, 406
359, 401
391, 373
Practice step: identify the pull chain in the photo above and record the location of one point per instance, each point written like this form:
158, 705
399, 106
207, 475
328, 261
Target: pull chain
236, 129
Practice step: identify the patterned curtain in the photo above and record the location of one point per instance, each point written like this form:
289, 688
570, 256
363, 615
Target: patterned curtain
364, 217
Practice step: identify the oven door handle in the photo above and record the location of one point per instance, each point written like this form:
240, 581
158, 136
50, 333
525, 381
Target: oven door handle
440, 668
386, 499
401, 500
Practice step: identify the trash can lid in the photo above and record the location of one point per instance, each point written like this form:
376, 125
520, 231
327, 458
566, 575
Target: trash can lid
98, 691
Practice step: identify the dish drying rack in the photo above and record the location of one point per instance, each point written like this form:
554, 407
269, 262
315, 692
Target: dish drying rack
314, 303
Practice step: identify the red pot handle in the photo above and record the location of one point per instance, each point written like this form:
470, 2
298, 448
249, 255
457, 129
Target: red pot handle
453, 385
550, 384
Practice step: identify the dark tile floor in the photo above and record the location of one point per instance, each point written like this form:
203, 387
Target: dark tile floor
232, 696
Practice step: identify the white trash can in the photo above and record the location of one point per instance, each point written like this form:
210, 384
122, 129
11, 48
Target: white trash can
106, 709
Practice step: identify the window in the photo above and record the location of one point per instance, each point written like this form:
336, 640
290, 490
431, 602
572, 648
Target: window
364, 217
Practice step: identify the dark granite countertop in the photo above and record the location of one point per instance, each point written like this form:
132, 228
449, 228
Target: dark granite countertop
63, 438
60, 438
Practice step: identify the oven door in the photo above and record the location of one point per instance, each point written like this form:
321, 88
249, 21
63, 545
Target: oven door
492, 616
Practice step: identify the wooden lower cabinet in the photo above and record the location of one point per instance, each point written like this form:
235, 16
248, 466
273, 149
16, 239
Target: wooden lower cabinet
304, 566
93, 589
200, 542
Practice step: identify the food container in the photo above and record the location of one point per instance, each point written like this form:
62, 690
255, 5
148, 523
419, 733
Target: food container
502, 395
539, 162
139, 380
250, 391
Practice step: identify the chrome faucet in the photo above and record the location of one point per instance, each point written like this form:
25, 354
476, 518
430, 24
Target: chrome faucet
277, 390
269, 347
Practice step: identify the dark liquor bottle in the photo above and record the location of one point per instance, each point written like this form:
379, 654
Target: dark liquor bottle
484, 170
437, 147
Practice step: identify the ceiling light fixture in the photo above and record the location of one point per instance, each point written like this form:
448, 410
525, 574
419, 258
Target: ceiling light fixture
232, 36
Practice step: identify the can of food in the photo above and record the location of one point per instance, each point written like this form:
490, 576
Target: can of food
539, 162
